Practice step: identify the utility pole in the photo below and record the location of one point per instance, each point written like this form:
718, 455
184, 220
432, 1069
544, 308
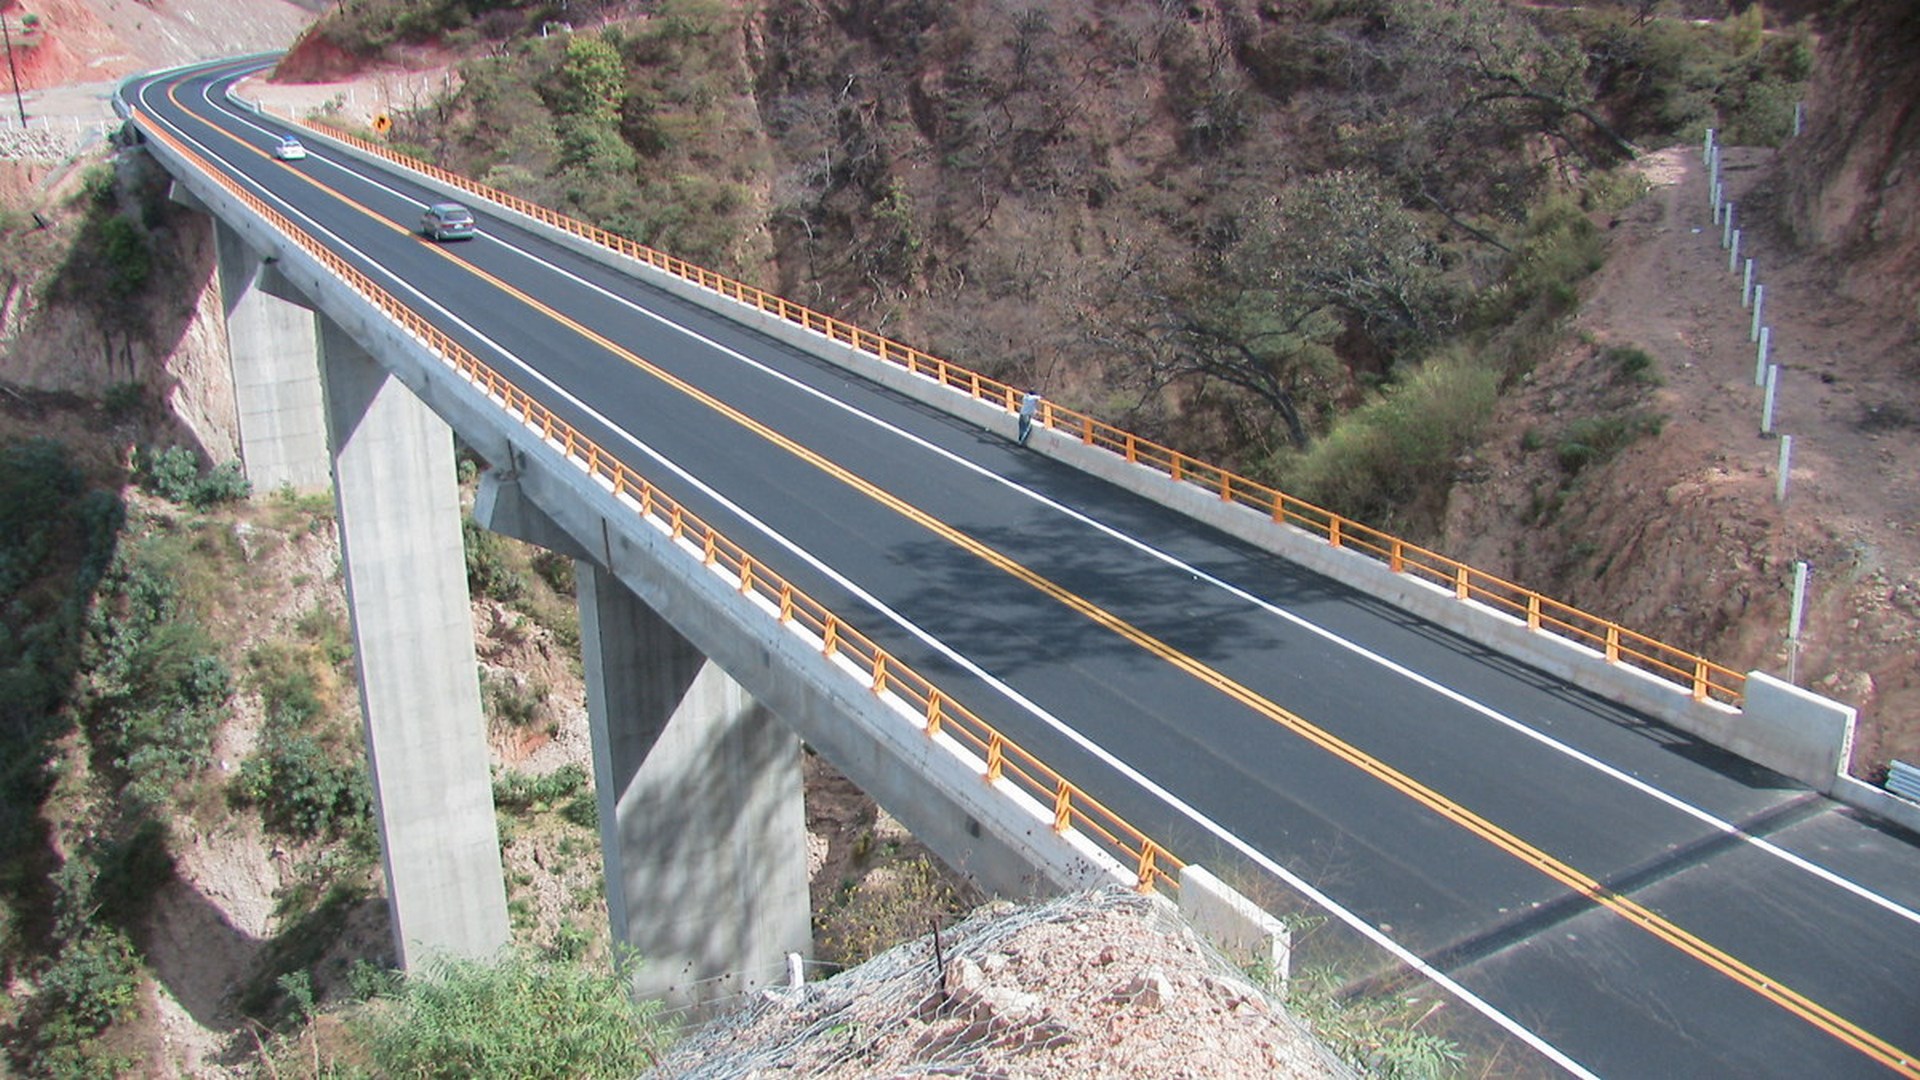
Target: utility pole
14, 71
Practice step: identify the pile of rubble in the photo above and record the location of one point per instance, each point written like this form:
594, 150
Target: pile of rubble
1107, 983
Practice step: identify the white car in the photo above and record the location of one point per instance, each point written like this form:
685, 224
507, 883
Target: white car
290, 149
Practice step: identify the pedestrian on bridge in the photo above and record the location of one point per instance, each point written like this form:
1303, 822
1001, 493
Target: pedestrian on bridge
1029, 406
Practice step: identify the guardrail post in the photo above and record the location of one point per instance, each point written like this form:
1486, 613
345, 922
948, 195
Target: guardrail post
1333, 531
936, 712
1460, 591
1700, 679
1533, 611
1613, 643
1143, 879
1086, 430
1062, 807
1398, 561
996, 757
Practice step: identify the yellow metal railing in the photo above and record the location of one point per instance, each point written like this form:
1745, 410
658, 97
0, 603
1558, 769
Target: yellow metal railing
1005, 762
1705, 679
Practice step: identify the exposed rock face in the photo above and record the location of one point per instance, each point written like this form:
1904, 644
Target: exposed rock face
1854, 177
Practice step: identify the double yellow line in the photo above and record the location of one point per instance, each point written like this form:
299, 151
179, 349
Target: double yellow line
1634, 912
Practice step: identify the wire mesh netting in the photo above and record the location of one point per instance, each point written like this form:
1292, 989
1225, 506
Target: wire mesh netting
1109, 982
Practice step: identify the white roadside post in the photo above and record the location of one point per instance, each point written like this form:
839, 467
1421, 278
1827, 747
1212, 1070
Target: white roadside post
1746, 286
1785, 467
1766, 409
1760, 356
1793, 621
1759, 297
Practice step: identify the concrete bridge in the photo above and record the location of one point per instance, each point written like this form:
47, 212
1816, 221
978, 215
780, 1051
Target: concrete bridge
1083, 661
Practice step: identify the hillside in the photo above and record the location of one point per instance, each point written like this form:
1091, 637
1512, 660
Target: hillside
1087, 198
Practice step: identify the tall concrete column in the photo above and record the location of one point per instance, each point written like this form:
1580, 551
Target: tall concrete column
276, 385
419, 688
702, 822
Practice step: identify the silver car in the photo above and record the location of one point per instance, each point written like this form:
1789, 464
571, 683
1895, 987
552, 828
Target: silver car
447, 221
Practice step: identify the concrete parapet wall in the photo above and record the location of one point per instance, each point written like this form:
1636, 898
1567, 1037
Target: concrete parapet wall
1809, 737
1877, 801
1235, 925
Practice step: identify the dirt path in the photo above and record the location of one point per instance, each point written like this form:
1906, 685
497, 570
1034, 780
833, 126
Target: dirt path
1682, 536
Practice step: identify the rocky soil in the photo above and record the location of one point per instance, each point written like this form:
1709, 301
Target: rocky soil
1106, 984
1681, 535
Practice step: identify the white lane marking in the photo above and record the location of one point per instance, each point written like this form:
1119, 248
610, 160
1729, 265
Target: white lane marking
1350, 918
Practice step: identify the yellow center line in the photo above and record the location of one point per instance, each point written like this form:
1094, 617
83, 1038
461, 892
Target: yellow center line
1634, 912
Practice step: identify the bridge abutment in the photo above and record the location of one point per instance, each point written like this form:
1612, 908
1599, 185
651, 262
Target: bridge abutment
405, 570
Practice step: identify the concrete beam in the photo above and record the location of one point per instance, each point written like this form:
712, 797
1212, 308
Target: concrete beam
702, 821
500, 506
276, 382
405, 568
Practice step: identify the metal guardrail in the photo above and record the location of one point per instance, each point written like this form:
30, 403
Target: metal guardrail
1904, 780
910, 693
1703, 678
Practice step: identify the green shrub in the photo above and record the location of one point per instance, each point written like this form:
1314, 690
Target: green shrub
1614, 190
174, 474
156, 689
1633, 363
517, 791
1594, 440
127, 254
582, 810
300, 786
97, 184
1559, 248
1399, 447
93, 981
124, 400
520, 1016
491, 570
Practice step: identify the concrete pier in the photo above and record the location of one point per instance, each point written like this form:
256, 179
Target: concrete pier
702, 822
413, 635
271, 346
